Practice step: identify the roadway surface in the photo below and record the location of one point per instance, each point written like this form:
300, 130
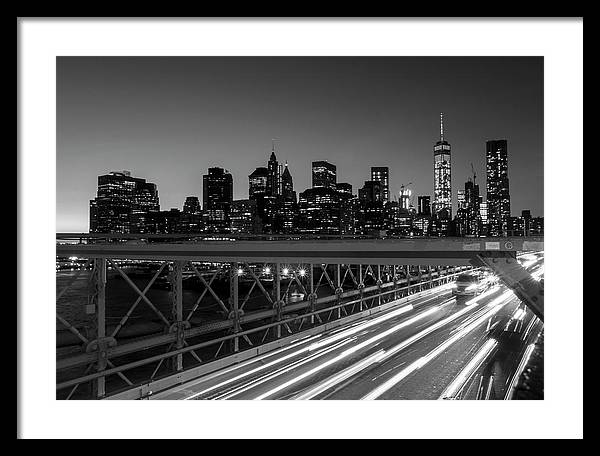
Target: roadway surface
432, 347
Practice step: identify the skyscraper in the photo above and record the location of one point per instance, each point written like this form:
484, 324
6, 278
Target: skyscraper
257, 190
258, 182
191, 205
244, 219
370, 208
442, 182
319, 211
287, 185
483, 214
468, 219
286, 218
382, 174
347, 207
323, 174
460, 199
473, 218
273, 175
498, 197
191, 216
372, 191
123, 204
217, 196
424, 203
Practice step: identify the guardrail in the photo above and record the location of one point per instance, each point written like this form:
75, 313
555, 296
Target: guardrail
348, 289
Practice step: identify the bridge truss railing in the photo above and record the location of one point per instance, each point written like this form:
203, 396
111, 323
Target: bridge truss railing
104, 361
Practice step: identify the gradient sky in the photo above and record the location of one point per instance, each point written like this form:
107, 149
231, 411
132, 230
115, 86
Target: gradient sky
167, 119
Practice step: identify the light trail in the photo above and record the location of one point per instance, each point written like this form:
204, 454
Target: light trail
349, 352
492, 309
519, 371
341, 376
321, 387
315, 346
282, 370
295, 343
388, 353
532, 322
467, 372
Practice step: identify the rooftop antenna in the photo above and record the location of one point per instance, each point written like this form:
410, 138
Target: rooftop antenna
473, 171
441, 126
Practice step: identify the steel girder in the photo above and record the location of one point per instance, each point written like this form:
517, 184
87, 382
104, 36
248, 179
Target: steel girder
508, 269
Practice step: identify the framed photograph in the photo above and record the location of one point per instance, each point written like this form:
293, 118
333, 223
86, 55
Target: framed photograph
341, 222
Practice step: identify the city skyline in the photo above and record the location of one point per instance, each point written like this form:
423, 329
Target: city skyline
178, 174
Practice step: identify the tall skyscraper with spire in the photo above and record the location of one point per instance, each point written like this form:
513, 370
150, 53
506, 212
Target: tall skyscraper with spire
274, 176
442, 182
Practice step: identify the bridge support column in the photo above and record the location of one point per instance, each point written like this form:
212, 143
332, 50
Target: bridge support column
312, 296
515, 277
234, 303
99, 284
429, 276
277, 298
338, 289
361, 286
379, 283
395, 278
177, 311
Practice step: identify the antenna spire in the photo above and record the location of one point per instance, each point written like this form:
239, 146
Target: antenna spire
441, 126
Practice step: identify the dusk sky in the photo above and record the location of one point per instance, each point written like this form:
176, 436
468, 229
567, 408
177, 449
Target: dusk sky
167, 119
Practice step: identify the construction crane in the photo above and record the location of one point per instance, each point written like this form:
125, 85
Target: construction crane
402, 195
402, 188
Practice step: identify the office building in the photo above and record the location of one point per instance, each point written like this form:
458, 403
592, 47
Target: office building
497, 188
424, 205
324, 174
382, 174
123, 204
442, 180
217, 197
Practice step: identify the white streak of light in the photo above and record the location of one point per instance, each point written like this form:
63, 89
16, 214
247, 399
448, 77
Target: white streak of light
465, 374
520, 369
435, 352
349, 352
281, 371
341, 376
388, 353
325, 341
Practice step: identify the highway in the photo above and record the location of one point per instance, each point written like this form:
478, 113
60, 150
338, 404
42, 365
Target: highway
431, 347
